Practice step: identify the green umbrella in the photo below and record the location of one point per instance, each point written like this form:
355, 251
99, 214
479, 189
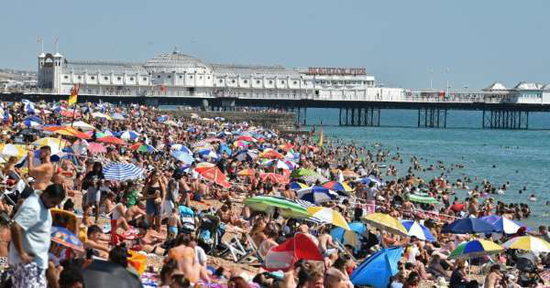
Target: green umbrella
286, 207
307, 175
422, 198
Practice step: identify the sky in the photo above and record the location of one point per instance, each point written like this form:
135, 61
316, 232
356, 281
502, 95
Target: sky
403, 43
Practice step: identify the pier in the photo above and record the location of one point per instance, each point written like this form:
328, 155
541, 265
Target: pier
500, 110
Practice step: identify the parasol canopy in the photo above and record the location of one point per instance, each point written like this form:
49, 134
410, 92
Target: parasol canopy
122, 171
285, 207
284, 255
337, 186
8, 150
528, 243
503, 224
329, 215
386, 222
213, 174
468, 226
418, 230
476, 248
111, 140
274, 178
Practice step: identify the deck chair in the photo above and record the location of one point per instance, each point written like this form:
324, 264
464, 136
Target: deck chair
235, 248
343, 249
252, 252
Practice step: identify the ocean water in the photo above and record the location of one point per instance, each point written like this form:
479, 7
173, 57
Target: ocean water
521, 157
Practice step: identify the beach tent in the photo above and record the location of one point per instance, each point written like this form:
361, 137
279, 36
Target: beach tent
284, 255
378, 268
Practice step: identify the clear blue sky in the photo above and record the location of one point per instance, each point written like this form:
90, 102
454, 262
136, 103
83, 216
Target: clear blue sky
399, 42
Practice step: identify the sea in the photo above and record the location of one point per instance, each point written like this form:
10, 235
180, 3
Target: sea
520, 157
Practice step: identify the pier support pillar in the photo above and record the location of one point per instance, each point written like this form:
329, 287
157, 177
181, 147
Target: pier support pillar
432, 117
505, 119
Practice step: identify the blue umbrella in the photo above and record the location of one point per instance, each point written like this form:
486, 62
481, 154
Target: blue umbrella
468, 226
503, 224
317, 194
378, 268
370, 179
352, 237
226, 149
122, 171
419, 231
129, 135
207, 154
182, 156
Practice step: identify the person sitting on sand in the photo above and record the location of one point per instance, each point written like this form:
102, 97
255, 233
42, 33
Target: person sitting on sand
95, 242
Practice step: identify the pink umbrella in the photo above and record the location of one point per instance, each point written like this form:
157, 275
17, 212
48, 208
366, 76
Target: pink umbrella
95, 148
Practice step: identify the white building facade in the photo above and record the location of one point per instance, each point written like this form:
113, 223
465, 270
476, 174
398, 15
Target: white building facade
176, 74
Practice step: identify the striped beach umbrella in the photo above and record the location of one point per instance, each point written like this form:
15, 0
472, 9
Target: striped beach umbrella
417, 230
329, 215
317, 194
122, 171
528, 243
503, 224
9, 150
338, 186
295, 186
286, 207
386, 222
129, 135
476, 248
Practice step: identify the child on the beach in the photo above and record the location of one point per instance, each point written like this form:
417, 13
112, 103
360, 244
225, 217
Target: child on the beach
174, 223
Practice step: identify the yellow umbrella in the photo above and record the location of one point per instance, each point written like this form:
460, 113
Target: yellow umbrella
329, 215
101, 115
386, 222
56, 144
9, 150
528, 243
205, 164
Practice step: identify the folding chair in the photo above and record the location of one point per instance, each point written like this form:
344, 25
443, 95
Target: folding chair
252, 252
235, 248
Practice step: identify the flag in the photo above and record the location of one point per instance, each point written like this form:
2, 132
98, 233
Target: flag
74, 96
321, 136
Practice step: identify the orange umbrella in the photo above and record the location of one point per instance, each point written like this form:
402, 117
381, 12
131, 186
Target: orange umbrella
246, 172
111, 140
271, 154
67, 131
286, 147
213, 174
274, 178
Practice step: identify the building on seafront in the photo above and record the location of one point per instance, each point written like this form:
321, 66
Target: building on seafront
178, 74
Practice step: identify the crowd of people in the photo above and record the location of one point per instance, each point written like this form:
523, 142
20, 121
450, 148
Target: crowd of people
155, 198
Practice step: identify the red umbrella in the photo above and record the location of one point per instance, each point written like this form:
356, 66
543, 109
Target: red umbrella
111, 140
69, 113
214, 174
246, 138
95, 148
271, 154
284, 255
274, 178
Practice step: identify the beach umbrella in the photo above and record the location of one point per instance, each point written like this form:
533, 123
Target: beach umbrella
180, 147
241, 144
111, 140
101, 273
140, 147
55, 144
172, 123
246, 138
213, 140
69, 113
117, 116
503, 224
245, 154
377, 270
95, 148
81, 125
285, 255
295, 186
122, 171
358, 231
274, 178
286, 147
66, 238
246, 172
422, 198
337, 186
225, 149
317, 194
386, 222
418, 230
208, 154
329, 215
67, 131
31, 124
475, 248
271, 154
9, 150
101, 116
205, 165
182, 156
468, 226
214, 174
129, 135
528, 243
368, 180
307, 175
285, 207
